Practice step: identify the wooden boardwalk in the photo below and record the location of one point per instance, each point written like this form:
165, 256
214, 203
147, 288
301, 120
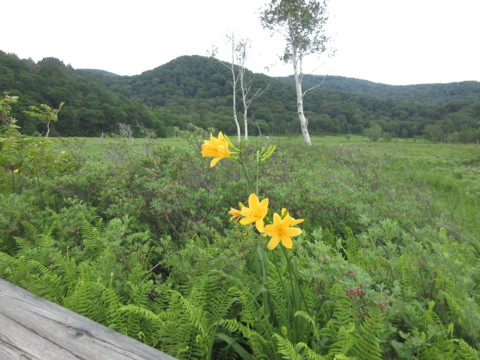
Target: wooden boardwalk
37, 329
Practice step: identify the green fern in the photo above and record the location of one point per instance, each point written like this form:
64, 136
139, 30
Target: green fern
138, 322
192, 321
464, 351
259, 342
301, 351
351, 244
85, 300
285, 348
277, 299
369, 336
338, 332
91, 235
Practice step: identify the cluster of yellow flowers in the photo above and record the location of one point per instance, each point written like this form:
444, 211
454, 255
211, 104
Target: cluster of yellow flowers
281, 230
216, 148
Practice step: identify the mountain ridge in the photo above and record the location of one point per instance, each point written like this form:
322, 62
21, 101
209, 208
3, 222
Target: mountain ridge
434, 93
196, 89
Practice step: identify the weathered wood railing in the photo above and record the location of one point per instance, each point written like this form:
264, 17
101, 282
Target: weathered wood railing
37, 329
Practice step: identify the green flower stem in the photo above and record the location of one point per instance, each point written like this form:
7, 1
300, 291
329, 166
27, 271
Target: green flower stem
258, 171
278, 271
296, 278
13, 181
240, 160
263, 270
279, 275
296, 305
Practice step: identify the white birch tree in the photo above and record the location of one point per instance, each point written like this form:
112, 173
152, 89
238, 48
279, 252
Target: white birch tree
302, 24
233, 81
239, 55
246, 83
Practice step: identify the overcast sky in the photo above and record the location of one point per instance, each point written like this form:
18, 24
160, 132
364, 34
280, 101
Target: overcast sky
388, 41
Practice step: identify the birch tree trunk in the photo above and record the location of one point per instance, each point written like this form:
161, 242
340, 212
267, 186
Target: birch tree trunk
245, 122
302, 23
297, 66
234, 91
244, 99
247, 97
234, 105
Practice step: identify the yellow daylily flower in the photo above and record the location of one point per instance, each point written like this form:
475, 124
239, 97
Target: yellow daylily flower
286, 214
281, 231
236, 214
255, 212
216, 148
15, 171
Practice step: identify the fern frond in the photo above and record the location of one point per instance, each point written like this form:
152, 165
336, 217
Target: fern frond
139, 293
344, 342
430, 317
185, 331
91, 235
84, 299
50, 286
351, 244
23, 245
344, 310
261, 347
139, 323
7, 264
29, 230
286, 349
456, 309
367, 344
310, 320
465, 351
277, 296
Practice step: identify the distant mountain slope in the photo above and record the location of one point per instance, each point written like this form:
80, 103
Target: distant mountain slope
432, 94
201, 68
101, 72
196, 89
89, 110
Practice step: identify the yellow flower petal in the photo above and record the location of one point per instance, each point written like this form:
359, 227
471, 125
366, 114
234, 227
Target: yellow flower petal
259, 224
216, 148
235, 214
293, 231
272, 244
287, 242
255, 212
296, 221
246, 221
214, 161
281, 231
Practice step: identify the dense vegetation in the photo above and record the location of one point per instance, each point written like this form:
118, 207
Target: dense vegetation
195, 89
135, 234
89, 108
430, 94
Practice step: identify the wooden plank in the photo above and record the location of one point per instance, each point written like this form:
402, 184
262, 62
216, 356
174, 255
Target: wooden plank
37, 329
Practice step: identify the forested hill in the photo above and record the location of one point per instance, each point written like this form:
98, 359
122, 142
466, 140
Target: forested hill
196, 89
90, 109
101, 72
432, 94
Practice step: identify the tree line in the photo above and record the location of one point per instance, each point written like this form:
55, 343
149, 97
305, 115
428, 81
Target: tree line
194, 89
89, 108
